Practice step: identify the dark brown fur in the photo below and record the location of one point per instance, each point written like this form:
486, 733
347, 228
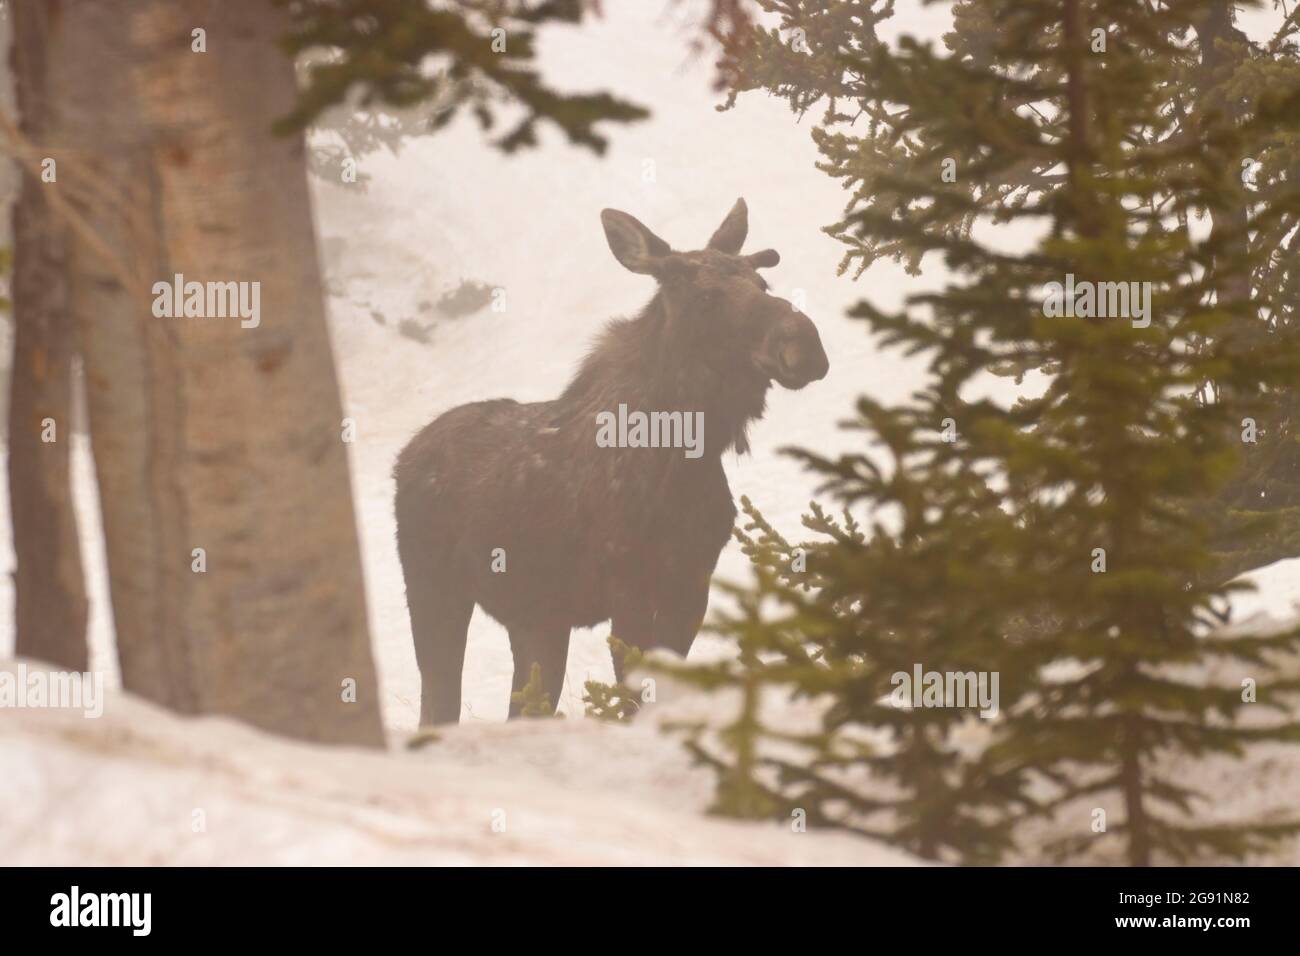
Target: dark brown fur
592, 533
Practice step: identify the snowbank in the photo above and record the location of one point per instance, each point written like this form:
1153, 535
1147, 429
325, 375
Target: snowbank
142, 786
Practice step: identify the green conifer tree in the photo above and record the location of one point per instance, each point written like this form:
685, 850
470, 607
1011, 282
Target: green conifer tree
811, 58
617, 702
531, 699
1065, 538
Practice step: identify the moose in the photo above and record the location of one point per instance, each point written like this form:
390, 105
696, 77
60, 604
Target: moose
519, 509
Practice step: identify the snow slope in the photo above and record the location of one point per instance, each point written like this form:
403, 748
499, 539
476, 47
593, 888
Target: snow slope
142, 786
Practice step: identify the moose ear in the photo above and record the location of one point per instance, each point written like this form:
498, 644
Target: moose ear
730, 236
635, 246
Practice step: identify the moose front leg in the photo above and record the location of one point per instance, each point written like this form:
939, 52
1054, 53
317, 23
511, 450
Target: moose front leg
643, 610
681, 611
633, 624
665, 613
548, 648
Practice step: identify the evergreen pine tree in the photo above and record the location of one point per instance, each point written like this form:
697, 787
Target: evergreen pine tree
811, 59
485, 54
531, 699
616, 702
1067, 539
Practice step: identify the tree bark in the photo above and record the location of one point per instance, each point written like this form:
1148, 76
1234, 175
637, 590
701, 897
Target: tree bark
206, 434
49, 589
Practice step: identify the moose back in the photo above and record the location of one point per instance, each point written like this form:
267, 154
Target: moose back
610, 502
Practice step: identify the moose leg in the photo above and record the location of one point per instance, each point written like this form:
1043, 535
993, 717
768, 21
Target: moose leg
635, 628
547, 647
633, 623
676, 627
680, 613
440, 613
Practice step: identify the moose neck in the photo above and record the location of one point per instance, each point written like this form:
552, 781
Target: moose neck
654, 364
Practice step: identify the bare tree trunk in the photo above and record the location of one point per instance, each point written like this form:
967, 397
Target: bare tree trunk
49, 590
207, 434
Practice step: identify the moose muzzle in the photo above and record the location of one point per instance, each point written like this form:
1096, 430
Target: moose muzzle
793, 355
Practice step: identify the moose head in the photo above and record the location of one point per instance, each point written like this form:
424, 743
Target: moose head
731, 321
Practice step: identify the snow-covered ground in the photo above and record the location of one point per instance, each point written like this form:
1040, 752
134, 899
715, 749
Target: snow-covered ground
443, 210
140, 786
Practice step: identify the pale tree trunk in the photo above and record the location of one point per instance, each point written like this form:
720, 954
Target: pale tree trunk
49, 589
208, 435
